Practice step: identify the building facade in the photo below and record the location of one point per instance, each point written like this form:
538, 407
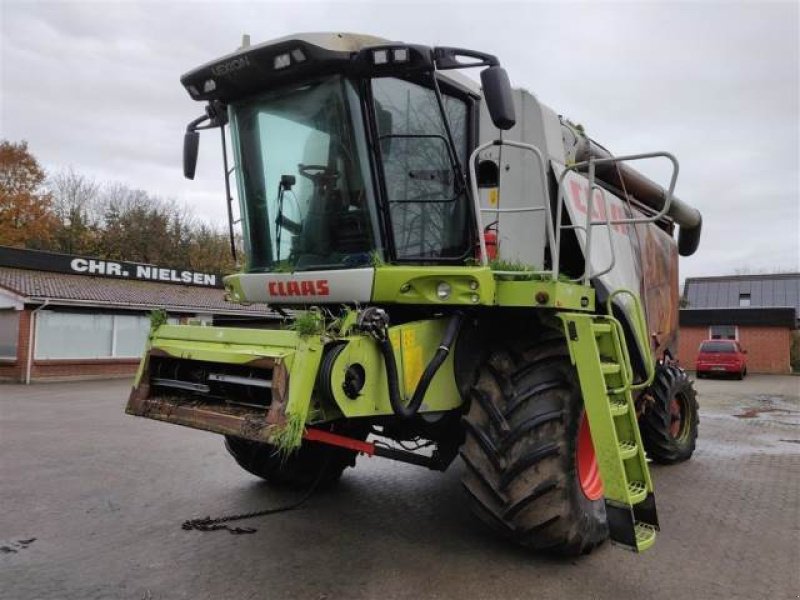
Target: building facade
760, 311
64, 316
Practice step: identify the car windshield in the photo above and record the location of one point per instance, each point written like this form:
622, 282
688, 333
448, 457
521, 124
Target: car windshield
724, 347
304, 184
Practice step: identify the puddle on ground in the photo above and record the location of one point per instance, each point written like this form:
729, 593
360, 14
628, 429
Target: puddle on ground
772, 407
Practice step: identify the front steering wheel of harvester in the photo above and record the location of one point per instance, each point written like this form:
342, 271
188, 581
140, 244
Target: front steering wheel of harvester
531, 469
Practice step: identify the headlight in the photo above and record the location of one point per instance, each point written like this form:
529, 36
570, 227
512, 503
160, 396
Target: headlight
443, 290
380, 57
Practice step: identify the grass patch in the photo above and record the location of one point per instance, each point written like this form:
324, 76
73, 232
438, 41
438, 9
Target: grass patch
287, 437
308, 323
522, 272
376, 260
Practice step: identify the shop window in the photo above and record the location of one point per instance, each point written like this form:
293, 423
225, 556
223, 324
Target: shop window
68, 335
130, 335
723, 332
72, 335
9, 333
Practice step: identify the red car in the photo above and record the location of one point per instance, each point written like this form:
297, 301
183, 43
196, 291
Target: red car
721, 356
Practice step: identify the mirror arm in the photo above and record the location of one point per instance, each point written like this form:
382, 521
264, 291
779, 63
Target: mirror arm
446, 58
195, 125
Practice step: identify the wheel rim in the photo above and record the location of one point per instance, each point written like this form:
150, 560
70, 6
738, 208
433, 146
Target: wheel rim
678, 425
586, 462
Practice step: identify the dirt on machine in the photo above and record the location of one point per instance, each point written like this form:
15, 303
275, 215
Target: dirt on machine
464, 275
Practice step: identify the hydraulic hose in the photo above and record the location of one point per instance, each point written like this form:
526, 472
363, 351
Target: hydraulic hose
401, 409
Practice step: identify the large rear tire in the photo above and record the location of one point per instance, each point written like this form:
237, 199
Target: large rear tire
669, 427
313, 462
521, 450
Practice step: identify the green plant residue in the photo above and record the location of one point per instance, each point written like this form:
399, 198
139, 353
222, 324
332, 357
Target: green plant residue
288, 437
157, 318
308, 323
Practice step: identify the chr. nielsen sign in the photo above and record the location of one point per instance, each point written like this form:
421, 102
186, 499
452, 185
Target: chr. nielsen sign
110, 268
99, 267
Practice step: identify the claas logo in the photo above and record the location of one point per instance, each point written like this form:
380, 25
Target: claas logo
306, 287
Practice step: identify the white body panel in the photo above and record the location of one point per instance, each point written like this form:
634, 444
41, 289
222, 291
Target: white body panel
521, 235
625, 273
309, 287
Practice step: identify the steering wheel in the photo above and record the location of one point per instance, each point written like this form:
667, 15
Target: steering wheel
314, 172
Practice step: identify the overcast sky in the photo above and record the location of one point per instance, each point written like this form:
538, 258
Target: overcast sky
94, 85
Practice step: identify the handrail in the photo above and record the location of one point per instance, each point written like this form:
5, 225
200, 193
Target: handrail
588, 267
540, 162
626, 371
640, 330
587, 270
590, 165
642, 156
554, 227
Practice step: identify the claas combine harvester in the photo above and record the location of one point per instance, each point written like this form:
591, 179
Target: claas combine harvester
462, 273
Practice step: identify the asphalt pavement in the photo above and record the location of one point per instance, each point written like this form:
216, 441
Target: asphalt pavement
92, 500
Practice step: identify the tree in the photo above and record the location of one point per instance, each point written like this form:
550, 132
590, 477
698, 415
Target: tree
140, 227
26, 215
75, 205
211, 250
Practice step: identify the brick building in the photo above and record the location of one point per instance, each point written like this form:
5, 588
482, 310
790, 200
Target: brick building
64, 316
760, 311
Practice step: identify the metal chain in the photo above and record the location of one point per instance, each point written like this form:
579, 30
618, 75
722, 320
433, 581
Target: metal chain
216, 524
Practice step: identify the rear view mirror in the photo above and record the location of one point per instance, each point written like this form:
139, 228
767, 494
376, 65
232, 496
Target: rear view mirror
191, 142
497, 93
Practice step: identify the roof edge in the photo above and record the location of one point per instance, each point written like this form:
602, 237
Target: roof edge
740, 277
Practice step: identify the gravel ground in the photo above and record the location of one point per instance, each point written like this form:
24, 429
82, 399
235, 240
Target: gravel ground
91, 503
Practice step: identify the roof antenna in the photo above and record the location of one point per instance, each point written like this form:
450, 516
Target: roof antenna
245, 41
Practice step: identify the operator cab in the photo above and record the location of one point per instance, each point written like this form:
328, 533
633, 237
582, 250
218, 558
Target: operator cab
349, 151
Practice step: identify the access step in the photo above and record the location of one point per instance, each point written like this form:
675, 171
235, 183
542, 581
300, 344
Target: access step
618, 407
599, 351
627, 450
610, 368
645, 536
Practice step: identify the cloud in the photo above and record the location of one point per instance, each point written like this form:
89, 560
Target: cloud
95, 86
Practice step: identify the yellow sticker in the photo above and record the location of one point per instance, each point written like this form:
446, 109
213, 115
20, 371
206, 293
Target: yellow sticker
493, 197
409, 338
412, 368
412, 360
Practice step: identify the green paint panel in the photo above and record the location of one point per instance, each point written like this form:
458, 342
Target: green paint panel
418, 285
303, 376
224, 344
545, 294
237, 335
414, 345
234, 290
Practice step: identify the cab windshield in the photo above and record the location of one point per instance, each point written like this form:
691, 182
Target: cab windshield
305, 189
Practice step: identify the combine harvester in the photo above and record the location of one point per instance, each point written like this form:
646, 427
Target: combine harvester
467, 273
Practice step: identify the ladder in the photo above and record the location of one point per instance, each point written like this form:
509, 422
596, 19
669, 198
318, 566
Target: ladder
598, 350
